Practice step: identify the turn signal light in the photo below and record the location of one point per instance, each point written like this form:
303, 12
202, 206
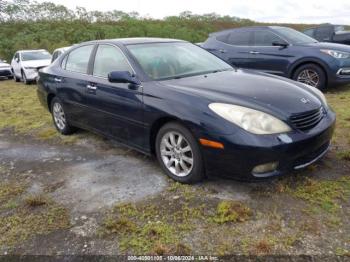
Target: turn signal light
209, 143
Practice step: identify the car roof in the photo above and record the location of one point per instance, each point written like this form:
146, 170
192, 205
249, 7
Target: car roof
62, 49
33, 50
137, 40
244, 28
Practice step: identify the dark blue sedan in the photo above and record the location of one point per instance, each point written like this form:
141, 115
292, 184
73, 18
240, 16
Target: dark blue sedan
192, 110
283, 51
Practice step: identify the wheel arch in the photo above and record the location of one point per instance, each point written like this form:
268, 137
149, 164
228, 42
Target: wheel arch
49, 99
304, 62
157, 125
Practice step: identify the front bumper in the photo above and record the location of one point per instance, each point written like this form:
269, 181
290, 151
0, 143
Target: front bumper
244, 151
339, 73
5, 72
31, 74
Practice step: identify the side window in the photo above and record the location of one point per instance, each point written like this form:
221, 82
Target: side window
64, 62
109, 58
16, 56
78, 59
309, 32
55, 55
323, 33
242, 38
265, 38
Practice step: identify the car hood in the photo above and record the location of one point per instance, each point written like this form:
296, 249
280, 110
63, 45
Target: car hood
332, 46
4, 64
272, 94
36, 63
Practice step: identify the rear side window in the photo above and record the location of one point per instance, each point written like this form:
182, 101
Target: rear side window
108, 59
55, 55
265, 38
78, 59
240, 38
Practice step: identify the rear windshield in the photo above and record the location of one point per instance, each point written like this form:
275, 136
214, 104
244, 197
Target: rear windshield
35, 55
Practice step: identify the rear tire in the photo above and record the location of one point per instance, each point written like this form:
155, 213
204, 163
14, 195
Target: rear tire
312, 75
59, 118
179, 154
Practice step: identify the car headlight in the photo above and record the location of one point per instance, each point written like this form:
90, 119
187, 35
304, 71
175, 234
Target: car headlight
253, 121
318, 93
336, 54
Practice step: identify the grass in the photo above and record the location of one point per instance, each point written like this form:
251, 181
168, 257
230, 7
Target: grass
231, 211
36, 200
20, 108
22, 217
325, 194
146, 228
21, 111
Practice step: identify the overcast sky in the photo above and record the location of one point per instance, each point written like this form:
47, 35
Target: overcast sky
289, 11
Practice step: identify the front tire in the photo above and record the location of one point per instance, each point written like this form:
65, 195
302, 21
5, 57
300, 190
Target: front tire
179, 154
312, 75
15, 77
59, 118
24, 79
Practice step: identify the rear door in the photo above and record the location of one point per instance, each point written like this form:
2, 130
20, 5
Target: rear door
267, 57
116, 108
72, 81
235, 48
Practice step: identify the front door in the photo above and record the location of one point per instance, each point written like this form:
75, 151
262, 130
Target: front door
266, 56
116, 108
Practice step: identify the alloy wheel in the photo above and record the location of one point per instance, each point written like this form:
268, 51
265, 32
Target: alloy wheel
59, 116
309, 77
176, 154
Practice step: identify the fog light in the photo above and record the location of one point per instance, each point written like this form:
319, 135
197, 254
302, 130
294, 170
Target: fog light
265, 168
344, 72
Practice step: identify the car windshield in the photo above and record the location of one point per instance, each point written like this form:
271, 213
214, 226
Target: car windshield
161, 61
35, 55
294, 37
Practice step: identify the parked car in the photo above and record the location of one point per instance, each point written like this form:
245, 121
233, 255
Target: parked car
192, 110
5, 70
330, 33
58, 52
26, 64
283, 51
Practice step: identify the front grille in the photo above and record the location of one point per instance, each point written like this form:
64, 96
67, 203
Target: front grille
307, 120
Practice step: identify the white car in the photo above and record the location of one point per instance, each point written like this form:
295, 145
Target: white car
26, 64
59, 51
5, 69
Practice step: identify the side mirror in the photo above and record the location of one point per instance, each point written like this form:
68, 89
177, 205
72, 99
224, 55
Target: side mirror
280, 43
17, 60
123, 77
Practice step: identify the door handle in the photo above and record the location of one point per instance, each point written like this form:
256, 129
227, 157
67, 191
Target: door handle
58, 80
254, 52
222, 51
91, 87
